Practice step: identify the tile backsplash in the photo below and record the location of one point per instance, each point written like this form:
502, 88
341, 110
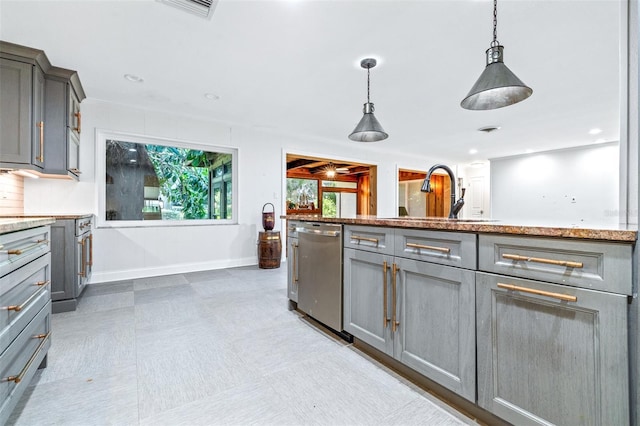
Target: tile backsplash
11, 194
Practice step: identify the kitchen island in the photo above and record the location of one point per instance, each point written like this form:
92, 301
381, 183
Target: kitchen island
528, 323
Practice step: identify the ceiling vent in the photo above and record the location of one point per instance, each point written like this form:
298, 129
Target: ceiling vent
202, 8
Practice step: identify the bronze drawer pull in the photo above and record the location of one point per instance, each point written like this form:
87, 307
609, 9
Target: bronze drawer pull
385, 302
22, 250
41, 283
394, 272
357, 238
17, 379
35, 294
559, 296
420, 246
567, 263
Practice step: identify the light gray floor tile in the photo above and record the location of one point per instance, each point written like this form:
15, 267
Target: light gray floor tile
176, 293
161, 281
248, 404
104, 302
199, 276
105, 399
107, 288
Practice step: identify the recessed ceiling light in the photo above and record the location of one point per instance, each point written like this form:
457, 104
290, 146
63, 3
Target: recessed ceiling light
473, 151
489, 129
211, 96
133, 78
595, 131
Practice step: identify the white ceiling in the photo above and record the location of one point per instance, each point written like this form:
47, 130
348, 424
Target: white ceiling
293, 66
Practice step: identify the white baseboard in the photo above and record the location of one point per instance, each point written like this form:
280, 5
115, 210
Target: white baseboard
130, 274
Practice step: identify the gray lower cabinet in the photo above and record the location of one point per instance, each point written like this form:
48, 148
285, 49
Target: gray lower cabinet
421, 313
551, 354
367, 285
25, 311
72, 258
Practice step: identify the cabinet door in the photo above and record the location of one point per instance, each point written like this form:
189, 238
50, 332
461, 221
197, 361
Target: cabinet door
15, 103
63, 252
37, 146
436, 331
74, 119
543, 360
366, 301
73, 153
292, 269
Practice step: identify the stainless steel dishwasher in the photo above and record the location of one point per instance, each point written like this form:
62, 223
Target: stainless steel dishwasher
320, 272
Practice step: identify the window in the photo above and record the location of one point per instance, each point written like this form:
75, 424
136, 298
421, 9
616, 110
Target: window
302, 194
152, 181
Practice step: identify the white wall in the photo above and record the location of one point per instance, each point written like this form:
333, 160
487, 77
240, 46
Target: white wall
124, 253
572, 187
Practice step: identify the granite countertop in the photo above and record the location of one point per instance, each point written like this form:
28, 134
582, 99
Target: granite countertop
18, 224
55, 216
604, 232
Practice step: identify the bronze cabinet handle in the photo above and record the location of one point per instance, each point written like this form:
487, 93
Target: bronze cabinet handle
17, 379
385, 301
358, 238
90, 249
394, 322
35, 294
434, 248
559, 296
567, 263
82, 272
40, 124
78, 121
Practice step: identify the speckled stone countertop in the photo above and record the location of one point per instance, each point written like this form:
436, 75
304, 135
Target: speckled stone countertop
17, 224
605, 232
55, 216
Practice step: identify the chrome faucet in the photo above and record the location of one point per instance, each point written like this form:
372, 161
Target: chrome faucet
456, 206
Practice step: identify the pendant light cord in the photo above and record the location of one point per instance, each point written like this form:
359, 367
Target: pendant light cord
495, 42
368, 71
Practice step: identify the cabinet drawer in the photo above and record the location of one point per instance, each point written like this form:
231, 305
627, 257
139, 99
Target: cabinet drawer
20, 361
83, 225
446, 248
369, 238
23, 293
21, 247
594, 265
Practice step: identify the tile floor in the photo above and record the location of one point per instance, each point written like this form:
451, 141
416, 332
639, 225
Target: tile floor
211, 348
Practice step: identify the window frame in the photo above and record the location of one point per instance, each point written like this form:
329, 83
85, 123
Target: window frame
101, 142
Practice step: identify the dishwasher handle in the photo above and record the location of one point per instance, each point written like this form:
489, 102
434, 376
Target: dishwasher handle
323, 233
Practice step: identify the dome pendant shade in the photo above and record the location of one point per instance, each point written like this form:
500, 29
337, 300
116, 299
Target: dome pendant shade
368, 129
497, 86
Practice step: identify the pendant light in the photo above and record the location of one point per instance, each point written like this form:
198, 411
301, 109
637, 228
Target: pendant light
368, 129
497, 86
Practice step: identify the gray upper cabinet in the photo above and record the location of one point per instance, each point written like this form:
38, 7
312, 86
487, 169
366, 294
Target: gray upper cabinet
551, 354
22, 121
64, 121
